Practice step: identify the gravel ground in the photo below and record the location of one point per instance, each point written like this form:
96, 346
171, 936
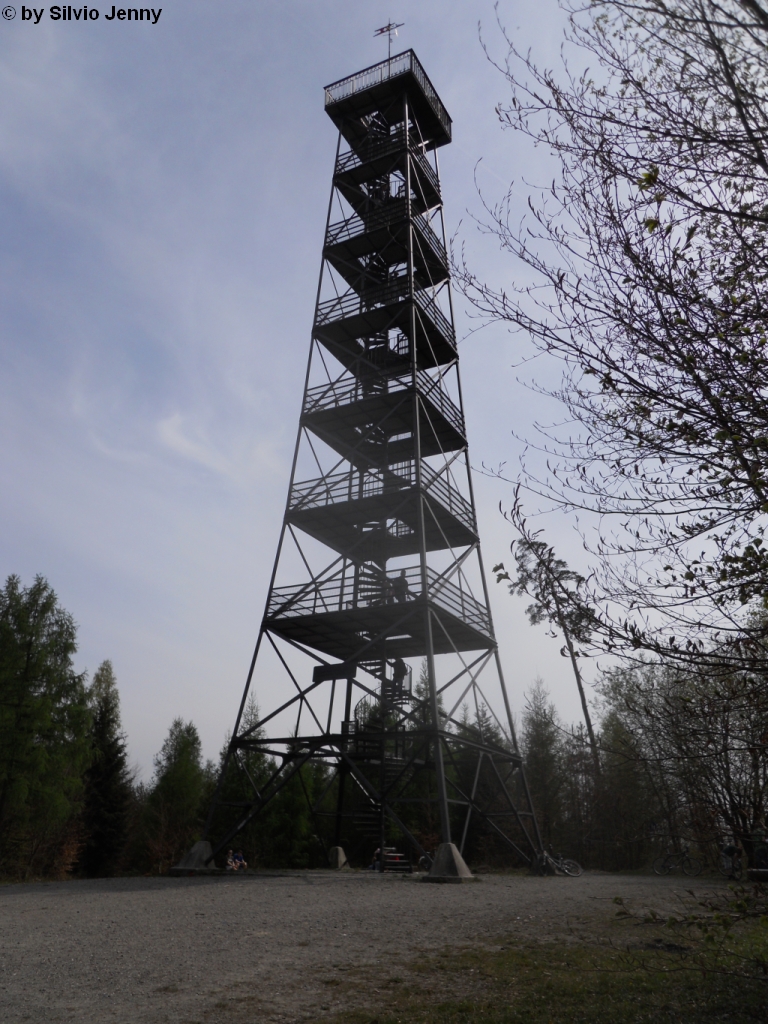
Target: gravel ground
263, 948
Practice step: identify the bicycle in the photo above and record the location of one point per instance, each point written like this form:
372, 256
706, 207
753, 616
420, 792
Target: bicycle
729, 862
553, 863
673, 861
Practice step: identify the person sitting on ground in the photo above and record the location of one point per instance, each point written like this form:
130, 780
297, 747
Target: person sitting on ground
374, 865
400, 587
239, 861
231, 861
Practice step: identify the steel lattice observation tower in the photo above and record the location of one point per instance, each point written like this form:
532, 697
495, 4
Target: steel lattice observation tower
378, 576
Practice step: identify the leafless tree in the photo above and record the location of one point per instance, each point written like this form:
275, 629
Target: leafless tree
651, 288
701, 740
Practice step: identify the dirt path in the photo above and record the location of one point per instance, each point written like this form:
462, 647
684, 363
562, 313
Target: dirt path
266, 948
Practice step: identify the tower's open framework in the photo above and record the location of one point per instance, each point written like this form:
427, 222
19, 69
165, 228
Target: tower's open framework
378, 569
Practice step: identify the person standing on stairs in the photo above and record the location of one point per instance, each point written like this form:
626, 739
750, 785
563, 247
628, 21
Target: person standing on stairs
401, 588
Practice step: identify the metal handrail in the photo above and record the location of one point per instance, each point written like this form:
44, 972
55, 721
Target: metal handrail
347, 392
339, 488
374, 148
370, 703
425, 227
375, 589
385, 70
392, 213
351, 303
433, 390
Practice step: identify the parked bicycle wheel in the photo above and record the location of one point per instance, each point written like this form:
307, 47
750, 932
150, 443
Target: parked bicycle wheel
731, 867
691, 866
729, 864
661, 866
571, 867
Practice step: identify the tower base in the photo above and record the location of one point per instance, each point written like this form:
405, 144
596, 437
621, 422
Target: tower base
337, 858
194, 862
448, 866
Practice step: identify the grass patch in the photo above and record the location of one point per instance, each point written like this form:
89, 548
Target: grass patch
656, 981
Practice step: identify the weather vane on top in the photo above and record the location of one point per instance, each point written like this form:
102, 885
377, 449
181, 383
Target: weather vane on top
390, 29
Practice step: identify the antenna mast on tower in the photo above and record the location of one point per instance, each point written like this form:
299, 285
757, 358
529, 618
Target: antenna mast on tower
390, 29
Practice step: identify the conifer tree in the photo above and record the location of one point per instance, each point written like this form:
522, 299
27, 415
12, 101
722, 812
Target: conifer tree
175, 802
107, 780
542, 750
245, 772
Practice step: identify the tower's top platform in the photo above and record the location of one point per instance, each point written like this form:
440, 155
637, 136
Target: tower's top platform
375, 87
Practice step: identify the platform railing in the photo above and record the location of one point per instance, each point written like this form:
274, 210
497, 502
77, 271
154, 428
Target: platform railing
375, 148
377, 590
392, 213
352, 303
341, 488
341, 394
385, 70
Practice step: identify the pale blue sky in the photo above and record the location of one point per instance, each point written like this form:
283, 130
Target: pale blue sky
164, 191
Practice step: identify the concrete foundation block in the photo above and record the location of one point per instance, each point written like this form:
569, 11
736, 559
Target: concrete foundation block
337, 858
448, 866
194, 861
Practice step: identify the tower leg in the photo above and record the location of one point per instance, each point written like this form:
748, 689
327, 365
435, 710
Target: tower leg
382, 815
442, 791
343, 769
339, 805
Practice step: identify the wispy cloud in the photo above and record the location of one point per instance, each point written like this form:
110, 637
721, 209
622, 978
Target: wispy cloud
199, 450
184, 439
